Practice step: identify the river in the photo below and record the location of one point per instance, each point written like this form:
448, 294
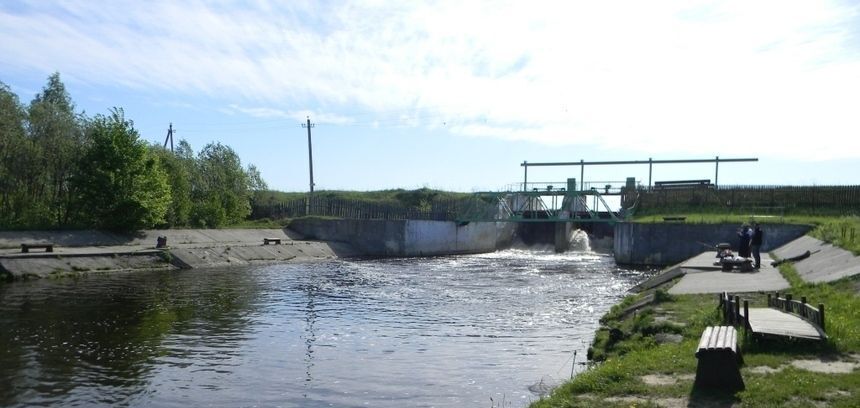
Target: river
456, 331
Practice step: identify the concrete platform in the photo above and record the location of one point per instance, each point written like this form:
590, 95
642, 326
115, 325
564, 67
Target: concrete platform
826, 264
702, 276
78, 252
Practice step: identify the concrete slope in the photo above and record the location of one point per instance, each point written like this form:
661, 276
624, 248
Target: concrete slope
702, 276
79, 252
55, 265
827, 262
12, 240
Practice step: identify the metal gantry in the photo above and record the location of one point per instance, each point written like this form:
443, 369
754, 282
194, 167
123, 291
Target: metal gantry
533, 206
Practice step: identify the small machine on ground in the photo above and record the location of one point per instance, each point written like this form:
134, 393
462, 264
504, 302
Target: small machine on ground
728, 260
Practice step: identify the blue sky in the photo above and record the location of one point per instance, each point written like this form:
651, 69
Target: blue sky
456, 94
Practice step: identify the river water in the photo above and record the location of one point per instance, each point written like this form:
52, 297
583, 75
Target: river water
457, 331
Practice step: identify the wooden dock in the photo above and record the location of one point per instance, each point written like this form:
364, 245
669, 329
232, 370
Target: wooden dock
774, 322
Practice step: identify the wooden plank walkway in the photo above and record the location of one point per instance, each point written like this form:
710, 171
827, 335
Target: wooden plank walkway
770, 321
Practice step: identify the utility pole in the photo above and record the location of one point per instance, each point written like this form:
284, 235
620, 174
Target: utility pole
309, 125
169, 137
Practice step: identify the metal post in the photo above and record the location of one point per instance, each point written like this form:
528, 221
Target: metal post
717, 172
788, 302
746, 314
650, 165
525, 175
581, 174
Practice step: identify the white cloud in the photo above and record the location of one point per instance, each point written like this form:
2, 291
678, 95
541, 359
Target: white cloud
767, 77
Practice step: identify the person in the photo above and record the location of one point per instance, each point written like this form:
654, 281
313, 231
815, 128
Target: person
744, 236
755, 244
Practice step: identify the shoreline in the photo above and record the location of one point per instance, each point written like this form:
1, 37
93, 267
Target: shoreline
643, 351
79, 252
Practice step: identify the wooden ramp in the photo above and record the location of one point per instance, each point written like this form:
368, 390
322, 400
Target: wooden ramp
774, 322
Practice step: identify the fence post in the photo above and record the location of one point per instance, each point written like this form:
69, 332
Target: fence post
747, 314
803, 306
788, 302
768, 300
821, 315
737, 309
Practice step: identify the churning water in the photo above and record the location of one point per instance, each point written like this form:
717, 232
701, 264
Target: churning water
449, 331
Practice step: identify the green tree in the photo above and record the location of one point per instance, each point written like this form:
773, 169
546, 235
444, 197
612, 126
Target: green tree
19, 167
57, 132
178, 170
220, 187
121, 185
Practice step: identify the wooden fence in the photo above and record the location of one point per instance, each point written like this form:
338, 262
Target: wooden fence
731, 309
774, 200
801, 308
439, 210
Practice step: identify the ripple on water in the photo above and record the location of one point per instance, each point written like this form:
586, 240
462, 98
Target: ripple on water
444, 331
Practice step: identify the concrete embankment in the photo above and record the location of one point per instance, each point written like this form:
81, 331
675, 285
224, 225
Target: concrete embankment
77, 252
661, 244
409, 237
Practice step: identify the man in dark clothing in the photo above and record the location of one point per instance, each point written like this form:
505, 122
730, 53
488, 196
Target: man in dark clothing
755, 244
744, 235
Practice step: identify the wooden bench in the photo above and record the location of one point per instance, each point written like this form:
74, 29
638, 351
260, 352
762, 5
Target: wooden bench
719, 359
25, 248
276, 241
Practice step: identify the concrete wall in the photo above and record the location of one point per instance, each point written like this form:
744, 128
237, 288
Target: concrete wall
669, 243
408, 237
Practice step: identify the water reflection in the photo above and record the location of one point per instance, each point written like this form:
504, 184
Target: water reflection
447, 331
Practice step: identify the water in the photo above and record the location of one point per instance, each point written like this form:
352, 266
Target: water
444, 332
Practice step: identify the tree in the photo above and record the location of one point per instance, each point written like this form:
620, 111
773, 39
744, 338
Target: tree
121, 185
221, 192
57, 133
18, 163
178, 171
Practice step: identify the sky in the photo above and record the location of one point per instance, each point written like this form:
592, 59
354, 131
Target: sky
457, 94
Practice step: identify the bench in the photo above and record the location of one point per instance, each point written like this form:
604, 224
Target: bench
682, 219
276, 241
25, 248
719, 359
677, 184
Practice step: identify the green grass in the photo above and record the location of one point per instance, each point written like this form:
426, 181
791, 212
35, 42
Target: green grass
626, 350
843, 232
722, 218
263, 223
410, 198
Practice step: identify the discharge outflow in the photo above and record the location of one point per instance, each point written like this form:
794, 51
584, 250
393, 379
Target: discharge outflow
579, 241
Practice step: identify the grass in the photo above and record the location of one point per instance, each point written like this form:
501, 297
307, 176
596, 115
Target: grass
626, 349
843, 232
409, 198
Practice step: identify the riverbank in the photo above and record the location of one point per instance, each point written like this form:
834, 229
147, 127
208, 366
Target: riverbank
643, 353
307, 239
79, 252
